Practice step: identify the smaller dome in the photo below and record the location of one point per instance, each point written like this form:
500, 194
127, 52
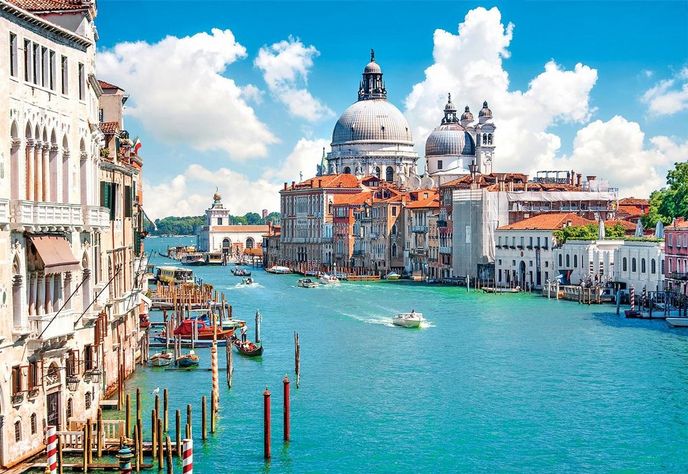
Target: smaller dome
449, 139
467, 115
217, 196
372, 68
485, 111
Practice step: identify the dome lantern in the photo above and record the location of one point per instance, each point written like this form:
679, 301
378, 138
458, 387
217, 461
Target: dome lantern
485, 113
372, 86
449, 112
466, 117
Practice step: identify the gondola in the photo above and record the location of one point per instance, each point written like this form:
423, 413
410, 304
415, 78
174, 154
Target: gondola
249, 348
240, 272
161, 359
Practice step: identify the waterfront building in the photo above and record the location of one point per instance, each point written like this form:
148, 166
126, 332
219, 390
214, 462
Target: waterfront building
271, 247
458, 146
420, 207
372, 137
118, 249
640, 264
676, 260
632, 209
219, 235
523, 250
306, 217
50, 221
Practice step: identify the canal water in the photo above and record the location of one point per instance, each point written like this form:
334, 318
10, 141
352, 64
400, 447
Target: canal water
506, 383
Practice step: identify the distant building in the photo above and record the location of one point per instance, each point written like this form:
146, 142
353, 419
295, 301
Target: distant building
632, 209
219, 235
271, 246
676, 260
420, 222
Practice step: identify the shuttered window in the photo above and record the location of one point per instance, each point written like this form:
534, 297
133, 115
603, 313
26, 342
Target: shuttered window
128, 202
107, 191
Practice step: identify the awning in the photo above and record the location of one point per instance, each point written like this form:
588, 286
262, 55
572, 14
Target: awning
56, 253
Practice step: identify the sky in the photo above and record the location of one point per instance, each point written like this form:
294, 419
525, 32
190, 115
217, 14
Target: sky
243, 96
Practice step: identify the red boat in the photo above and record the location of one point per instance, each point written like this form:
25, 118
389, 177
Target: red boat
203, 331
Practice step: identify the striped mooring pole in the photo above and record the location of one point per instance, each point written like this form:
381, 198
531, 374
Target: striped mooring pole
51, 446
632, 299
187, 456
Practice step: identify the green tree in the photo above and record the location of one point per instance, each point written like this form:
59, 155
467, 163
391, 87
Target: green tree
668, 203
273, 217
253, 218
654, 215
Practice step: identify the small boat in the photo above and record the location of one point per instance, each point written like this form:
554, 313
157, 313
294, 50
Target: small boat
632, 313
248, 348
144, 322
188, 360
408, 320
247, 281
392, 276
326, 279
307, 283
678, 322
192, 259
161, 359
214, 258
242, 272
204, 332
278, 270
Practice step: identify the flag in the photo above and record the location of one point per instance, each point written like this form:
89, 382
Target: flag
137, 145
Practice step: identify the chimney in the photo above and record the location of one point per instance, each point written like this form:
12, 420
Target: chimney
579, 178
525, 186
292, 184
591, 178
573, 177
285, 185
320, 183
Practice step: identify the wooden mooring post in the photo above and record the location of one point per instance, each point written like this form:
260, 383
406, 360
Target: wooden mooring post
212, 414
99, 433
168, 455
127, 415
297, 358
165, 407
230, 366
177, 432
160, 443
203, 417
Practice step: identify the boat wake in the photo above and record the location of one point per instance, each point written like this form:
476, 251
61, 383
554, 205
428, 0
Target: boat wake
240, 286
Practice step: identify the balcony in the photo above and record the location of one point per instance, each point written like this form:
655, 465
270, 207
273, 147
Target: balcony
419, 251
96, 216
48, 215
441, 223
445, 249
677, 276
4, 211
43, 330
419, 229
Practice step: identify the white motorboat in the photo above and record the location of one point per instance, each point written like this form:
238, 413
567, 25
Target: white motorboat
326, 279
392, 276
307, 283
278, 270
408, 320
678, 322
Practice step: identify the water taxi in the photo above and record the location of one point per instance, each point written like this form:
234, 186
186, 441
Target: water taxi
192, 259
678, 322
408, 320
326, 279
392, 276
247, 281
278, 270
307, 283
215, 258
174, 275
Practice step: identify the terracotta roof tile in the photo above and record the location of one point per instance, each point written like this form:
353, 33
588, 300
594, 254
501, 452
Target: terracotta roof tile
631, 211
50, 5
421, 201
352, 199
107, 85
548, 222
329, 181
631, 201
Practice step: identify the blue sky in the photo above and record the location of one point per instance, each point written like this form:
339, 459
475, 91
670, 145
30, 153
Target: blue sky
630, 47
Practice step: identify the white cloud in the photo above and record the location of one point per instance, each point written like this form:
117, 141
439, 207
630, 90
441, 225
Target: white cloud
668, 96
285, 66
615, 150
470, 66
190, 193
179, 92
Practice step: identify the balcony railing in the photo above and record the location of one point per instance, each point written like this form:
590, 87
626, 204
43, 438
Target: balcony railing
419, 229
4, 211
43, 330
96, 216
677, 276
30, 213
445, 249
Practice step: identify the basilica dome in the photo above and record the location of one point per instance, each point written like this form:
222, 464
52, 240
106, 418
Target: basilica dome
372, 121
449, 139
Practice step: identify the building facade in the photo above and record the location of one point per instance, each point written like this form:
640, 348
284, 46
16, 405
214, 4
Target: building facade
676, 260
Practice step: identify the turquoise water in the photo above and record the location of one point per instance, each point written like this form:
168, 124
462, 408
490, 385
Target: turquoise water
509, 383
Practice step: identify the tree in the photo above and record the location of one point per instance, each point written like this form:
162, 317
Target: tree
654, 215
273, 217
671, 202
253, 218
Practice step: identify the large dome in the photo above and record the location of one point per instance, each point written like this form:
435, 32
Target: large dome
372, 121
449, 139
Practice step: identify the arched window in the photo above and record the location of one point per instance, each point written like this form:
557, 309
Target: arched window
87, 400
642, 266
250, 243
17, 431
561, 262
633, 265
377, 171
389, 174
347, 170
489, 139
624, 264
575, 261
34, 428
394, 250
394, 229
568, 260
653, 266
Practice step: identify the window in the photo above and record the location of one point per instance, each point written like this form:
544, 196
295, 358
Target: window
17, 431
642, 266
70, 409
13, 55
522, 239
633, 265
101, 115
499, 241
36, 64
52, 71
653, 266
128, 202
538, 241
82, 82
27, 60
16, 380
33, 375
575, 261
624, 264
87, 400
545, 242
394, 211
568, 260
530, 241
513, 241
33, 424
45, 67
389, 174
219, 221
88, 357
439, 164
65, 75
561, 264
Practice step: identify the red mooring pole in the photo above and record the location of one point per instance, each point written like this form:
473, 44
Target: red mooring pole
287, 434
266, 423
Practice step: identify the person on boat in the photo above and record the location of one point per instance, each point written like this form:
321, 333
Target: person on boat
243, 334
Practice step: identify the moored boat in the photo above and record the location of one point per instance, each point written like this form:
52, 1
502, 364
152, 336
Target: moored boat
203, 331
188, 360
307, 283
392, 276
326, 279
249, 348
161, 359
408, 320
278, 270
678, 322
